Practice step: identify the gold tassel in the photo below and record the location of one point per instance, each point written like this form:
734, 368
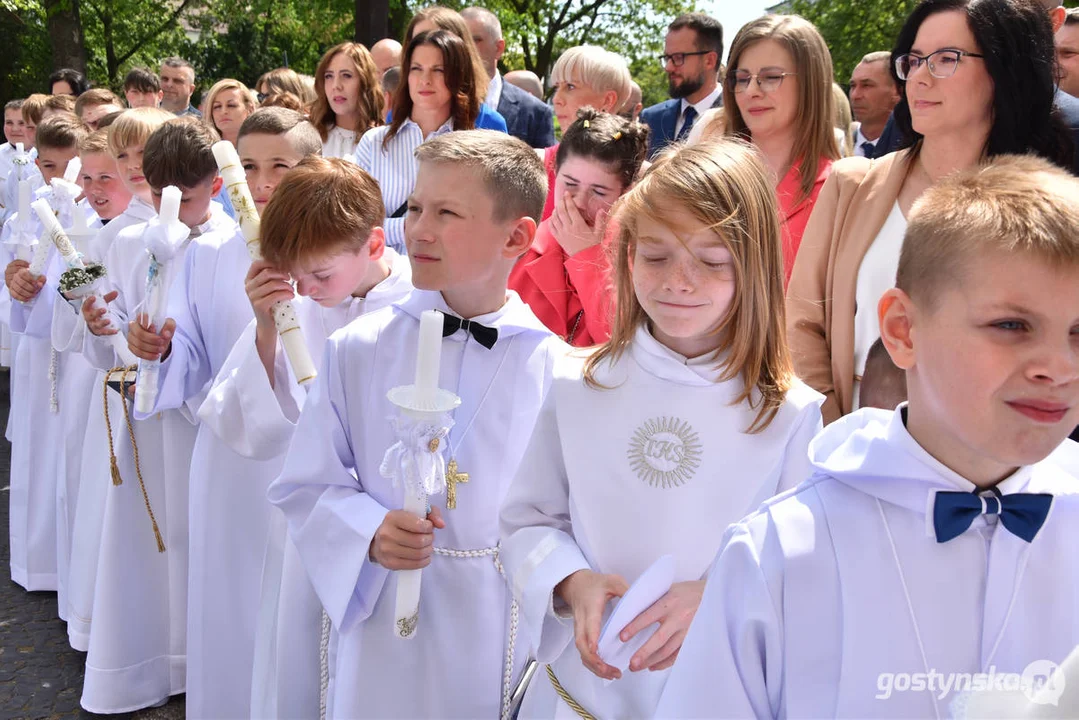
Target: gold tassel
114, 469
157, 535
134, 449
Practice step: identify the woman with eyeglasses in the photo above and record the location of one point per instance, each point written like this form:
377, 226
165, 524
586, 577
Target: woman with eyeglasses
977, 80
780, 76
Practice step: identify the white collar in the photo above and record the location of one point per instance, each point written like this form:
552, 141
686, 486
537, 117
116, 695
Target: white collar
660, 360
705, 104
442, 130
513, 317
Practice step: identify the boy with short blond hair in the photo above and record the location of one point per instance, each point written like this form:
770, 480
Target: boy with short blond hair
120, 245
322, 229
932, 553
137, 652
230, 522
472, 213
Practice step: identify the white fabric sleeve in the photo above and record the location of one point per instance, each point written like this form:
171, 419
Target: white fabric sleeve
538, 547
331, 519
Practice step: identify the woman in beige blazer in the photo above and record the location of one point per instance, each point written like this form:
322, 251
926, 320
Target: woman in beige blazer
964, 100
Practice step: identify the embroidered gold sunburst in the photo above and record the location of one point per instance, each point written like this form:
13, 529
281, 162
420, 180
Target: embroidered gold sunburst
665, 452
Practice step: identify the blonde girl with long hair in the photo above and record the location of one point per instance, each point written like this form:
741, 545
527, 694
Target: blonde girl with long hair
651, 444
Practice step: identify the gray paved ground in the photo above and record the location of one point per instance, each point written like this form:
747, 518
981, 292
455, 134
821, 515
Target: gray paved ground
40, 675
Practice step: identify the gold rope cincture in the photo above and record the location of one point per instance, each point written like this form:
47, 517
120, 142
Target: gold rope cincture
567, 698
113, 467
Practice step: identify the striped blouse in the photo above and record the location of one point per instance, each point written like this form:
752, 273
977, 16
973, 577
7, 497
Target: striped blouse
394, 167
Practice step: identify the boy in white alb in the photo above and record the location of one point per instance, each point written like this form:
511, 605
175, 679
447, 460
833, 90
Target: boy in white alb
127, 135
470, 216
229, 515
322, 227
37, 432
936, 542
651, 444
105, 198
137, 643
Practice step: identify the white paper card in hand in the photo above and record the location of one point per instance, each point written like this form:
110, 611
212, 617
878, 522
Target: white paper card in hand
650, 587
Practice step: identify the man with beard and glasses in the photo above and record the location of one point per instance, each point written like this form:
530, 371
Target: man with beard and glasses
692, 54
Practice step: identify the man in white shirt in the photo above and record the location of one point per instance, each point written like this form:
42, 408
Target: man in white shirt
692, 55
873, 94
527, 118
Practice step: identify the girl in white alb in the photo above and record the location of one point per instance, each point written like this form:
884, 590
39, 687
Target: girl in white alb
651, 444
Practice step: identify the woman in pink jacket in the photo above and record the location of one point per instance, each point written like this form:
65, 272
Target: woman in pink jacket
565, 276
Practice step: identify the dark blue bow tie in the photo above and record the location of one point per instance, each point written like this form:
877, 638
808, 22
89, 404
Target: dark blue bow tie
485, 336
1022, 514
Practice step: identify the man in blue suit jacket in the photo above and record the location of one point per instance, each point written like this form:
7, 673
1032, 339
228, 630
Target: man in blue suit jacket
692, 54
526, 117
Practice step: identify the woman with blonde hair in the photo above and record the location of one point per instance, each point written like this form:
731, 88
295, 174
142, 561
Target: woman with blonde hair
780, 78
284, 80
844, 121
584, 76
228, 103
701, 419
348, 98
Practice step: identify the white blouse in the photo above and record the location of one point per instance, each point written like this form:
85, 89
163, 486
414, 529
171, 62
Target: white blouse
875, 276
340, 143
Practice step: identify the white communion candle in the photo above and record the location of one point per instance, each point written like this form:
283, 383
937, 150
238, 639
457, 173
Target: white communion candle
24, 200
20, 148
74, 167
428, 354
170, 205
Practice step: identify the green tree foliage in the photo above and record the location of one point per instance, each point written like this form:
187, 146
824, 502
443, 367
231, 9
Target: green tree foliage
121, 34
537, 31
242, 40
853, 28
25, 66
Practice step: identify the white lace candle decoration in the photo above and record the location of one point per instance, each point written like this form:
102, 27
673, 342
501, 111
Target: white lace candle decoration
23, 237
284, 316
77, 281
164, 236
415, 461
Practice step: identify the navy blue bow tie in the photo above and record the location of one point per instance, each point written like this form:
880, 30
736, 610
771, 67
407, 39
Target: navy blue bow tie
485, 336
1022, 514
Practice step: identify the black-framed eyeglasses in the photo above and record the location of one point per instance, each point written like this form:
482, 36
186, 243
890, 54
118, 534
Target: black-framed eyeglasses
261, 96
768, 80
942, 63
679, 59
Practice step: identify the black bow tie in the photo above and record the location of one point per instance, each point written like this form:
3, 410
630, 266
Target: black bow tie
485, 336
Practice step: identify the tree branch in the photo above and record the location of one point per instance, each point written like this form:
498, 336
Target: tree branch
147, 38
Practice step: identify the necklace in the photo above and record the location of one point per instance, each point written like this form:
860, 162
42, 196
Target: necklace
454, 475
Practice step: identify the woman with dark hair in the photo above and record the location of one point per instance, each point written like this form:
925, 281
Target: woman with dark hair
436, 17
977, 80
440, 96
67, 81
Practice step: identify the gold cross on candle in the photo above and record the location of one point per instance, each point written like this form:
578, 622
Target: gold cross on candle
452, 478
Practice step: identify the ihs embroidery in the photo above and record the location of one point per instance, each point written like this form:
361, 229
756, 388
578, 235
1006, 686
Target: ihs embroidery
665, 452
